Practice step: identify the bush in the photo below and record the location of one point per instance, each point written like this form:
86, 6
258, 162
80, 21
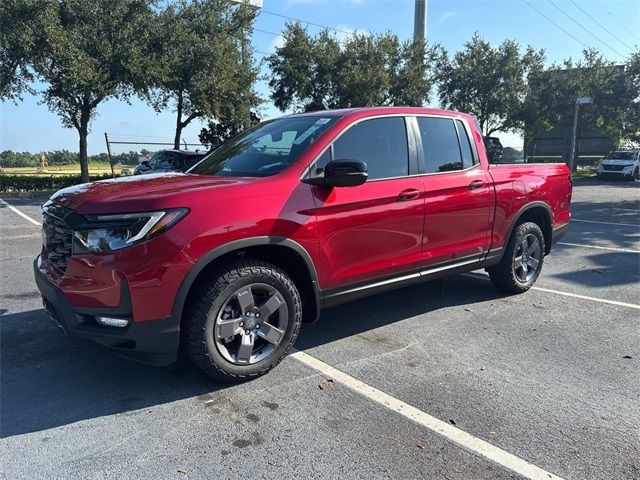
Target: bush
25, 183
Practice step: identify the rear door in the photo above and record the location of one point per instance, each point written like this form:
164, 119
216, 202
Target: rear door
459, 193
375, 229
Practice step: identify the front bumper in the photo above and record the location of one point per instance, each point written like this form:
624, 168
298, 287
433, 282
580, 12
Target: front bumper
153, 342
615, 173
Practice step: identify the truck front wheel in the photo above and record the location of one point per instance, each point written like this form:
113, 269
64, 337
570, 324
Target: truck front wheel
522, 261
243, 321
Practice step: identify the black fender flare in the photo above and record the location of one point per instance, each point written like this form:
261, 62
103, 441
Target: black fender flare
494, 255
206, 259
524, 210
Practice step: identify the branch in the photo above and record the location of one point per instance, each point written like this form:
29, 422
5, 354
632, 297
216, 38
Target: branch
189, 118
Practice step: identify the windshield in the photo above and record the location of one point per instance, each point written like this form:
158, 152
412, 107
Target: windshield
266, 149
621, 156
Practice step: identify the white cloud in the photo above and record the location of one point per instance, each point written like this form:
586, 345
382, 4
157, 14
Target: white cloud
344, 32
446, 16
277, 42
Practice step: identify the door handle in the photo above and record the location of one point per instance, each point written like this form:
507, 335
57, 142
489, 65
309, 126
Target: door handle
476, 184
409, 194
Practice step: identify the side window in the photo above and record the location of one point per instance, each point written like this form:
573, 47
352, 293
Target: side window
380, 142
322, 161
440, 144
465, 145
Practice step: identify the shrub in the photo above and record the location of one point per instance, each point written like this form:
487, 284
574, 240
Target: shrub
25, 183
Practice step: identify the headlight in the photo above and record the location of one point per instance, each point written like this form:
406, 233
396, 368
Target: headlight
113, 232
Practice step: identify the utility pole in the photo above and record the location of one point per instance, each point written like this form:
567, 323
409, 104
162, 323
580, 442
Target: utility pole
574, 134
420, 21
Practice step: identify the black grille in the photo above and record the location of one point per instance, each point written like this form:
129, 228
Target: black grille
613, 168
57, 237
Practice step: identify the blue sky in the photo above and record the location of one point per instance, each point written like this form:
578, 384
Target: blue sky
29, 126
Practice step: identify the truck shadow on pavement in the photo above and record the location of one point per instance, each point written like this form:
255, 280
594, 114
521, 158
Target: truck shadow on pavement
49, 380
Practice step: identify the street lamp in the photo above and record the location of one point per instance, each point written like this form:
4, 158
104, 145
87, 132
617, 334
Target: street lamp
574, 139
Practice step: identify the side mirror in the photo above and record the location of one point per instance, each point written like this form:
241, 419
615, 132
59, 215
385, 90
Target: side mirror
341, 173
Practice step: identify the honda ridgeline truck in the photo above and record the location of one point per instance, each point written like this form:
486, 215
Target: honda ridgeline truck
291, 216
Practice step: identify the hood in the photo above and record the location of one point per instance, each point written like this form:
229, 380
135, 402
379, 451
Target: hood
137, 193
617, 161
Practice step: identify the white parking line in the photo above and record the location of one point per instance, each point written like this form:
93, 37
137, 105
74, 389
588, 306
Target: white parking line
449, 432
20, 237
565, 294
613, 249
18, 212
607, 223
585, 297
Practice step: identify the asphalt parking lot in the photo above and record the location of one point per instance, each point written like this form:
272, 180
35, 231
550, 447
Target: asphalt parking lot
549, 379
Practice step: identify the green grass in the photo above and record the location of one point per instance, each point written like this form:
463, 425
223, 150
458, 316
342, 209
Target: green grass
95, 168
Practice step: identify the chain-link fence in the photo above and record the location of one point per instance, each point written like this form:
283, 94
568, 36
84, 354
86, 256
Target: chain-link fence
126, 151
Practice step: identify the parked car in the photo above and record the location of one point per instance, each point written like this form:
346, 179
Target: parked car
494, 149
292, 216
168, 161
620, 164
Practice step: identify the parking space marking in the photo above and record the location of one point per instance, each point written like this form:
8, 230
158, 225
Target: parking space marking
453, 434
20, 237
607, 223
585, 297
18, 212
565, 294
613, 249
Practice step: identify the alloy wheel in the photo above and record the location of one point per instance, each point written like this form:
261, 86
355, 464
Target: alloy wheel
251, 324
527, 258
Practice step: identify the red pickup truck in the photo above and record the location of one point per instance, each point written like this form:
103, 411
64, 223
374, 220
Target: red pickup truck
292, 216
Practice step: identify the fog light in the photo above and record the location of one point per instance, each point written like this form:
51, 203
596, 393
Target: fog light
112, 322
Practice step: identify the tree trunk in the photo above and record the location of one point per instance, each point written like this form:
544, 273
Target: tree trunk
83, 157
176, 140
179, 124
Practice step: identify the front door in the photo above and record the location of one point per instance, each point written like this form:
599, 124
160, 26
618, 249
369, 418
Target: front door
375, 229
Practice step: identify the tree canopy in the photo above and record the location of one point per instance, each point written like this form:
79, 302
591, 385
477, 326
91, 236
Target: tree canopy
323, 71
615, 89
202, 62
488, 82
86, 53
18, 37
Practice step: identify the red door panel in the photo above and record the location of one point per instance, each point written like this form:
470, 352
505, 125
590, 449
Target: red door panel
458, 211
369, 231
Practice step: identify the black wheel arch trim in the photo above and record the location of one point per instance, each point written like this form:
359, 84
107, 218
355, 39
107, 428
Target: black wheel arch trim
236, 245
495, 254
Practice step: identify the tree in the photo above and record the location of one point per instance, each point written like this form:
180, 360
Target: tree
321, 72
203, 63
488, 82
615, 89
219, 131
89, 52
18, 37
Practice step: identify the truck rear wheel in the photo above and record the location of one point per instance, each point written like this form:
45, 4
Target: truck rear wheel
522, 261
243, 321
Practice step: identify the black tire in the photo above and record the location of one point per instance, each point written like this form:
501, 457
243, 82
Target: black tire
211, 297
636, 174
504, 275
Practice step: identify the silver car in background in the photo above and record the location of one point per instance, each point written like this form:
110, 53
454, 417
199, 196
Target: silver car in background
620, 164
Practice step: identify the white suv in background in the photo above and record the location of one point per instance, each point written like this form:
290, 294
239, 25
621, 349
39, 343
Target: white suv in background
621, 164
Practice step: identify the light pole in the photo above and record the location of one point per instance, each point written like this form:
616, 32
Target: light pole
420, 21
574, 135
